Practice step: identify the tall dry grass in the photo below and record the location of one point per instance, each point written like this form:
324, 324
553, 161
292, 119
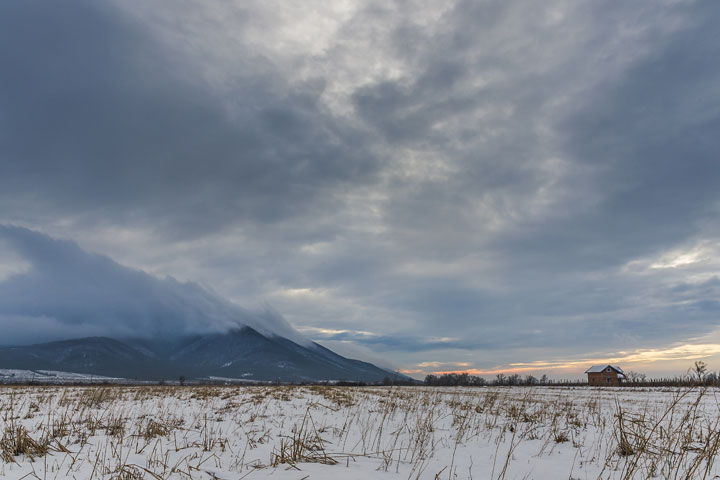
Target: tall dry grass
170, 432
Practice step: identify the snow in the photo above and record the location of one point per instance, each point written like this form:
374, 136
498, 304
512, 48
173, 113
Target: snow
285, 432
601, 368
230, 380
51, 376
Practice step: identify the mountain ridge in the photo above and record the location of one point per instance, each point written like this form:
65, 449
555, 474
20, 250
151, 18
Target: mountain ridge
242, 353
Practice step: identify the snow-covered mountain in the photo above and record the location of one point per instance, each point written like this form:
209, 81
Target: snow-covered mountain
242, 353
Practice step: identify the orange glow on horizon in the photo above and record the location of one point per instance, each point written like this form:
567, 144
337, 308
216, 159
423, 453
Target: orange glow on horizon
637, 358
475, 371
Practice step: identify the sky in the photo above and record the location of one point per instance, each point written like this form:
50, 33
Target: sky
481, 186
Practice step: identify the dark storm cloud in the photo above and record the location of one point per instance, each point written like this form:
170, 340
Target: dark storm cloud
70, 293
98, 117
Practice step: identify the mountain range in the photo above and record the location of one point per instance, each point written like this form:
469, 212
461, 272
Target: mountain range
242, 353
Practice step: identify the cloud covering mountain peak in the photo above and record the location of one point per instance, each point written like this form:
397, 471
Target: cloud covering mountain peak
66, 292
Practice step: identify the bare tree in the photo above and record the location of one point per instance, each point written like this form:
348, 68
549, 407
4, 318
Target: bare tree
700, 370
635, 377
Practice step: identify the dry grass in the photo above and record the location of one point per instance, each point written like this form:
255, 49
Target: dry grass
16, 441
169, 432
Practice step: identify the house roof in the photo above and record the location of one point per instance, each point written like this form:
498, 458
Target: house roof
601, 368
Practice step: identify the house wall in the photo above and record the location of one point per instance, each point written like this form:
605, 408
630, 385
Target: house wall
601, 379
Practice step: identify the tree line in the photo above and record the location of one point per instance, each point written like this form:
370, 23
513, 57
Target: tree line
467, 380
697, 375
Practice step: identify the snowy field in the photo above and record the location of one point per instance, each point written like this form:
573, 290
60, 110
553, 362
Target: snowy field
51, 376
54, 377
124, 432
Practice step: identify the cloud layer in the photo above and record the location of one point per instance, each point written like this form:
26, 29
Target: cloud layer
478, 183
68, 293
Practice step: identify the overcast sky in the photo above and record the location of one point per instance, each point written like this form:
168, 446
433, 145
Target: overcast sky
433, 186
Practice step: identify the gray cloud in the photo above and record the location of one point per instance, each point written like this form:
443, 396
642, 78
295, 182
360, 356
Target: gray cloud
68, 293
525, 178
95, 107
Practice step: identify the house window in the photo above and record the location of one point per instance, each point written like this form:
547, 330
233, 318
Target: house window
608, 369
607, 380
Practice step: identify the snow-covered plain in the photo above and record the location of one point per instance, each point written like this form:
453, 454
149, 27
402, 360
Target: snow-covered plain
298, 433
15, 376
